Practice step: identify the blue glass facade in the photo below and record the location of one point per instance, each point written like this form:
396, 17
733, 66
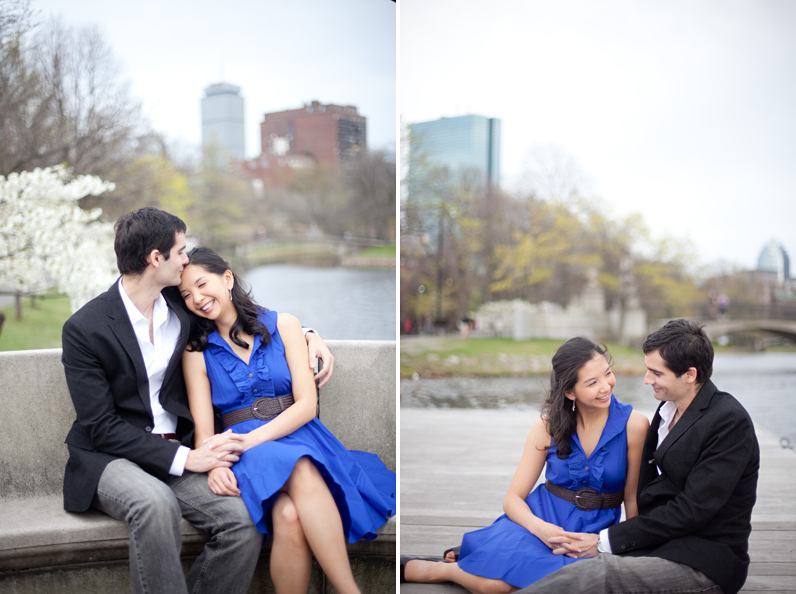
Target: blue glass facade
464, 142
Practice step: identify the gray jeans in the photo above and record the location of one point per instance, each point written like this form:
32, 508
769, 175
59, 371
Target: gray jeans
612, 574
152, 510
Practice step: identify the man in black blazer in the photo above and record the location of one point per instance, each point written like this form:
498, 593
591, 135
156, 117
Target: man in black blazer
696, 491
130, 447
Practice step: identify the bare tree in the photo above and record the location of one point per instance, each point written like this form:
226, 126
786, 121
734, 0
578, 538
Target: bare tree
553, 175
61, 98
370, 177
19, 83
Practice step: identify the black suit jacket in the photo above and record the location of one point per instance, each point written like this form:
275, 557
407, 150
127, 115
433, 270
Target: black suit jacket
698, 511
108, 384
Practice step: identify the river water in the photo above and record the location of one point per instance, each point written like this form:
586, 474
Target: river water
765, 383
339, 303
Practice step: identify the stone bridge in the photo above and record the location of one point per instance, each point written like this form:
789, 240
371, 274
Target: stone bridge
783, 328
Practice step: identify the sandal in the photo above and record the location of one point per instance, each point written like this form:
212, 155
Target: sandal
407, 558
455, 551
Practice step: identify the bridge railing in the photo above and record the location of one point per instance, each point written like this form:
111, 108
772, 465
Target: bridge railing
734, 311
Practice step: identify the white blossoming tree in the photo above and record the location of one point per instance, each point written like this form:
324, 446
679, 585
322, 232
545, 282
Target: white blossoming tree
47, 240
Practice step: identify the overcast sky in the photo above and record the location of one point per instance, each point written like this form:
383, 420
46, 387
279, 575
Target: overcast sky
683, 111
282, 54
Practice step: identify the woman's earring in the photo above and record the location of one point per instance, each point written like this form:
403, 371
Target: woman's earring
230, 293
573, 405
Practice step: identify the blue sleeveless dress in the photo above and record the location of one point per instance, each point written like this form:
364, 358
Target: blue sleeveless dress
362, 486
507, 551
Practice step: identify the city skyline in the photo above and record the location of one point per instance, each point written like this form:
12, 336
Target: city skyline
680, 112
280, 54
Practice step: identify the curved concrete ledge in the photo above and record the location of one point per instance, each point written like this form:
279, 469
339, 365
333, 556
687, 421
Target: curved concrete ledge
44, 548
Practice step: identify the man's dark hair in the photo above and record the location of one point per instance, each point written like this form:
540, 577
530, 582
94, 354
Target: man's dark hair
140, 232
683, 344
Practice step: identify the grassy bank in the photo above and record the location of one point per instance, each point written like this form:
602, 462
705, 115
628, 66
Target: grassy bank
288, 253
40, 326
309, 253
382, 251
485, 357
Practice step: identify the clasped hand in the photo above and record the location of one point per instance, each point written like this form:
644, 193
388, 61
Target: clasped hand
228, 444
228, 447
219, 451
574, 544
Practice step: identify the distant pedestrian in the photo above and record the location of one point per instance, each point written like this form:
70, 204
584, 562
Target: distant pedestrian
724, 302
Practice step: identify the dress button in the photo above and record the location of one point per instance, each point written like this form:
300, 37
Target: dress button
251, 375
148, 429
585, 468
624, 547
255, 390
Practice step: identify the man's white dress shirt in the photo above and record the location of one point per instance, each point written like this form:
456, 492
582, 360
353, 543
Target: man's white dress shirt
166, 333
668, 410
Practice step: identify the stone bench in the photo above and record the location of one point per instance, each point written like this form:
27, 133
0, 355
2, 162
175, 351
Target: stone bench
45, 549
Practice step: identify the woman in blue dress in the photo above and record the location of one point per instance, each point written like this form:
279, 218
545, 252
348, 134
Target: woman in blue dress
298, 481
589, 440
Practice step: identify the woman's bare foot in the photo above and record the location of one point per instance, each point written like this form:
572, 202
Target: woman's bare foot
424, 571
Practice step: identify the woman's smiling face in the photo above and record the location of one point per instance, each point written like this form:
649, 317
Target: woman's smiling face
206, 294
595, 384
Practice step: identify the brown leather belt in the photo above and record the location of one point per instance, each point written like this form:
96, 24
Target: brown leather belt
263, 408
586, 499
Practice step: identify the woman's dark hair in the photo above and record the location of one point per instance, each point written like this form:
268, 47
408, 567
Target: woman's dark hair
683, 344
141, 231
241, 298
561, 420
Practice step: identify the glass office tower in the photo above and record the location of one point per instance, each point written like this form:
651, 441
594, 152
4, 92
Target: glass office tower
464, 142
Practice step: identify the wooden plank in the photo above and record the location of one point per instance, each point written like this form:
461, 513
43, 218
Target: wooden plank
764, 568
783, 583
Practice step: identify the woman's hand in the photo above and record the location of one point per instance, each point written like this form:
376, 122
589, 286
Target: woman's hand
544, 531
222, 481
576, 545
228, 443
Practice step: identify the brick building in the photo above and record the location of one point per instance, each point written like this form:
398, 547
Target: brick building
326, 133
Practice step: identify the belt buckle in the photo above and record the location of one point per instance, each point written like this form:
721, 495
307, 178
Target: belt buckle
582, 506
260, 415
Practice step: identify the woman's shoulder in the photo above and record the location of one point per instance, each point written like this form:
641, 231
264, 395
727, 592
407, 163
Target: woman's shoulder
638, 422
286, 321
540, 431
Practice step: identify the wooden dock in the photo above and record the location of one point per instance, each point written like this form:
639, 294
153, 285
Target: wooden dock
456, 465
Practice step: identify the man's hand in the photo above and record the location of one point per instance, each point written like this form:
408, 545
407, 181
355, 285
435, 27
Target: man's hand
220, 451
318, 350
223, 482
576, 544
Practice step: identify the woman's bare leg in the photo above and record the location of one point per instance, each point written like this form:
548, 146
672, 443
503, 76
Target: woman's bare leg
291, 557
321, 523
431, 572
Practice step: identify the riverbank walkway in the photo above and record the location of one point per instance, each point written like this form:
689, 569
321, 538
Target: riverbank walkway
456, 465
